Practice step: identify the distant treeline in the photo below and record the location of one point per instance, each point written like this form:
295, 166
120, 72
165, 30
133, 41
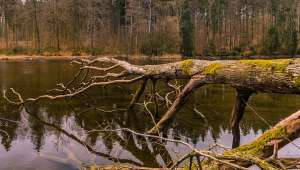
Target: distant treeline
151, 27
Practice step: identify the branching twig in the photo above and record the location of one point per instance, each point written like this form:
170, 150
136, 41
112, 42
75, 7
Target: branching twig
49, 97
151, 114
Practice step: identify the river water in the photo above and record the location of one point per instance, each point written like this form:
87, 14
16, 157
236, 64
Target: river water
57, 134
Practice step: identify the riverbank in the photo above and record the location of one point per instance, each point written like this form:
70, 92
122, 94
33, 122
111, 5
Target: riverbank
125, 57
174, 57
39, 57
247, 57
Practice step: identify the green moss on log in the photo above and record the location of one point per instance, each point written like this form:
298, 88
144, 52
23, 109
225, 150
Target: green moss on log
211, 69
275, 65
257, 147
186, 66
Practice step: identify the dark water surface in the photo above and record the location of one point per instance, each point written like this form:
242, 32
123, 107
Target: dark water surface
52, 134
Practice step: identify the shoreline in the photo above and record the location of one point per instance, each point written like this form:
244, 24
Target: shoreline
174, 57
39, 57
69, 58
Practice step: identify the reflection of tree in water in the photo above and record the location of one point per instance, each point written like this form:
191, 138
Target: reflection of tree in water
186, 125
37, 130
138, 146
8, 125
41, 118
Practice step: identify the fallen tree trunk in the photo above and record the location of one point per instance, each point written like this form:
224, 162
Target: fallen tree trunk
276, 76
268, 76
262, 148
283, 133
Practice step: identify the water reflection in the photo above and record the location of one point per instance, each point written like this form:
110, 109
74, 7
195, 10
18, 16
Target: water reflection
51, 132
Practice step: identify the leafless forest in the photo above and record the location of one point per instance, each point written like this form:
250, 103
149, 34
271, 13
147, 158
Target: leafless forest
79, 92
151, 27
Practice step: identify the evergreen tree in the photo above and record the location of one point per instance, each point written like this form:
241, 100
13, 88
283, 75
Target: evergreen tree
272, 40
291, 42
75, 20
187, 31
121, 11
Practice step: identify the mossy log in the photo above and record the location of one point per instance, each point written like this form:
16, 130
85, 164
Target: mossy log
278, 76
281, 134
267, 76
274, 76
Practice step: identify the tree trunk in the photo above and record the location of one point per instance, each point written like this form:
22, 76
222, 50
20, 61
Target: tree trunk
57, 30
268, 76
238, 113
36, 26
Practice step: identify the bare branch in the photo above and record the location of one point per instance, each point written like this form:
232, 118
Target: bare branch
49, 97
111, 75
133, 69
100, 69
151, 115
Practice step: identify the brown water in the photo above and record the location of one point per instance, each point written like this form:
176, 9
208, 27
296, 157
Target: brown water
48, 137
